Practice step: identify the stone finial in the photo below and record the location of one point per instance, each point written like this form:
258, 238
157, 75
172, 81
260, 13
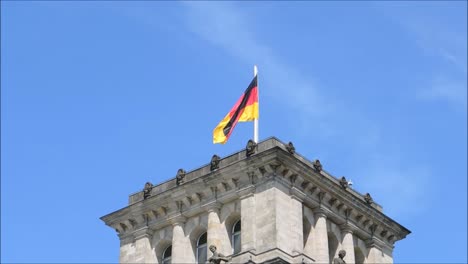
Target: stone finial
343, 182
317, 165
290, 148
214, 164
180, 177
250, 148
368, 199
147, 190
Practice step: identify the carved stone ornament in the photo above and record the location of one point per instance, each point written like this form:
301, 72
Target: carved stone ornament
317, 165
343, 182
180, 177
250, 148
290, 147
320, 196
214, 162
147, 190
216, 258
368, 199
340, 258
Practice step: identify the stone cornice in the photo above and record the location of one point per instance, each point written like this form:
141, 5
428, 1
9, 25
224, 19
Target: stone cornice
225, 186
177, 220
346, 228
213, 206
297, 194
246, 191
320, 212
143, 232
328, 191
239, 177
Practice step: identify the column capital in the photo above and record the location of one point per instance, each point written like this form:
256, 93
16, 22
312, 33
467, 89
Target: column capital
320, 231
297, 194
178, 220
143, 232
213, 206
320, 212
126, 238
246, 192
346, 228
372, 243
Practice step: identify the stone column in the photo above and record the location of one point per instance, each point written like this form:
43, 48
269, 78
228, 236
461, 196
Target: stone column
127, 250
347, 243
321, 237
181, 247
216, 234
296, 241
248, 234
309, 247
144, 250
374, 254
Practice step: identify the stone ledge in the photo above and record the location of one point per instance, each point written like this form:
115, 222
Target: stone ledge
271, 256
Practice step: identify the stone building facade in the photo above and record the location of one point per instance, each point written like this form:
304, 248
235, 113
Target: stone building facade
265, 204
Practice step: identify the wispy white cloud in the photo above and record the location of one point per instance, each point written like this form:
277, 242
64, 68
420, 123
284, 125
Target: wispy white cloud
449, 84
395, 185
431, 30
458, 59
443, 42
224, 25
451, 90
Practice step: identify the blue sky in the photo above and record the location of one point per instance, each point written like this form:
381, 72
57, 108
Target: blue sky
99, 97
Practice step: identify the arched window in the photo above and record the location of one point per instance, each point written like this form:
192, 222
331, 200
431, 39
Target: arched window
332, 246
305, 230
166, 257
236, 237
201, 249
358, 255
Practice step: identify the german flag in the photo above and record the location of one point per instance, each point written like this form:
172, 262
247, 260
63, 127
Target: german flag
245, 109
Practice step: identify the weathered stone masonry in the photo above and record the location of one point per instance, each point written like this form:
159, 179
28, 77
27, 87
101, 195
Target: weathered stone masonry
290, 212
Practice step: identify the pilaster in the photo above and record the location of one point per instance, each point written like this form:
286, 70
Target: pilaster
217, 234
347, 243
374, 252
267, 190
144, 250
321, 235
296, 222
127, 248
182, 251
248, 234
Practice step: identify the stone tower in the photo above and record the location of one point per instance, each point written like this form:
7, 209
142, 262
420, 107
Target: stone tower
265, 204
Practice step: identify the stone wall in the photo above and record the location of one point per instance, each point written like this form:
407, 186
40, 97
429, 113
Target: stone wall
290, 211
273, 224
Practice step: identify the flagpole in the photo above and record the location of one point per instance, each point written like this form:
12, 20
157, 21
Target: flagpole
258, 104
